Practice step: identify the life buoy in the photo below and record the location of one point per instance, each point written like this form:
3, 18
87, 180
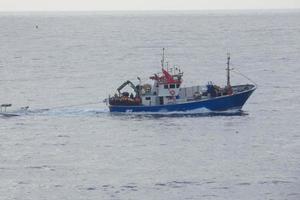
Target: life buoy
172, 92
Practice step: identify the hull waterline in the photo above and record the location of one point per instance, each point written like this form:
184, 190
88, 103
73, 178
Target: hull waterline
222, 103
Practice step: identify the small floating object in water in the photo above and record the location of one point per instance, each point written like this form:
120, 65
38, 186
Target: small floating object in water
25, 108
36, 26
3, 112
5, 106
167, 95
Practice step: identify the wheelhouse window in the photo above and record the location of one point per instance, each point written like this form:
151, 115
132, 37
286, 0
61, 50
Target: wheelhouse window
166, 86
177, 85
172, 85
148, 98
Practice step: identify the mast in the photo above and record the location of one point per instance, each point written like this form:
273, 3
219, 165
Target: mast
228, 69
163, 59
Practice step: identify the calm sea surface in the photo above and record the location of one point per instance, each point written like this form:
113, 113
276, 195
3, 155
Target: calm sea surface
69, 147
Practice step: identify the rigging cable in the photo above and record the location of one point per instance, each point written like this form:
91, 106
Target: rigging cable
243, 75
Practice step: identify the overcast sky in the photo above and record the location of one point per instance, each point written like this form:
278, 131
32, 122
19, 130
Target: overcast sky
61, 5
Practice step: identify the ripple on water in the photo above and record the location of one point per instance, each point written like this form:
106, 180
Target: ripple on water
244, 183
210, 182
130, 187
57, 186
160, 184
42, 167
280, 182
209, 195
63, 136
220, 188
22, 183
293, 194
107, 186
176, 184
274, 182
91, 188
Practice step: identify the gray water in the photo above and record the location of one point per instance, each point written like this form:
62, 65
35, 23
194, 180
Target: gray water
68, 146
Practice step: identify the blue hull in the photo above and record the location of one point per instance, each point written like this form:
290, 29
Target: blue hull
223, 103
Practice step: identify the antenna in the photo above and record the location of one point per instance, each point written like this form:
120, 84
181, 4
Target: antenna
167, 66
163, 58
228, 69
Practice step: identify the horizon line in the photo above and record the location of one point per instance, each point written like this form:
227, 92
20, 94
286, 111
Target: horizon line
161, 10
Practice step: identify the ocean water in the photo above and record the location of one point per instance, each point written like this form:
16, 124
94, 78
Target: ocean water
68, 146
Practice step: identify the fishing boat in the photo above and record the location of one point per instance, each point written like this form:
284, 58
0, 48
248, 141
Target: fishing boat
167, 95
